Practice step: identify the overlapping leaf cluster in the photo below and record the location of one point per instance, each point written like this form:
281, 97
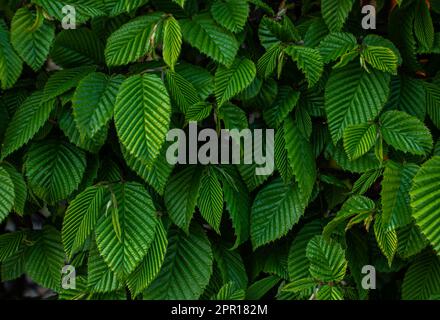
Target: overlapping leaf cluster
84, 179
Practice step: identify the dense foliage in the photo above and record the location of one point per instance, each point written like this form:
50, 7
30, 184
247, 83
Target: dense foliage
84, 180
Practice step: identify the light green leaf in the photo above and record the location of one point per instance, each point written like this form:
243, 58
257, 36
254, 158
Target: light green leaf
172, 41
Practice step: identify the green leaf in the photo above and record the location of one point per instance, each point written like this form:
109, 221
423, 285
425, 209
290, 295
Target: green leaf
181, 194
423, 26
411, 241
77, 47
20, 188
433, 102
396, 184
233, 80
233, 117
142, 116
99, 276
54, 169
381, 58
259, 288
230, 291
272, 31
406, 133
238, 203
10, 63
45, 258
386, 239
200, 78
231, 266
335, 12
64, 80
94, 101
425, 200
68, 126
182, 92
327, 292
155, 175
210, 201
10, 244
422, 278
348, 91
359, 139
276, 208
337, 44
198, 111
172, 41
81, 217
355, 206
26, 122
133, 40
151, 264
187, 267
298, 264
301, 159
32, 37
7, 194
272, 58
204, 34
84, 9
309, 61
231, 14
327, 259
285, 101
137, 219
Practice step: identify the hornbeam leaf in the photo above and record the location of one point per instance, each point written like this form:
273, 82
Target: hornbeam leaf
233, 80
32, 37
137, 218
406, 133
425, 201
142, 116
348, 92
204, 34
276, 209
